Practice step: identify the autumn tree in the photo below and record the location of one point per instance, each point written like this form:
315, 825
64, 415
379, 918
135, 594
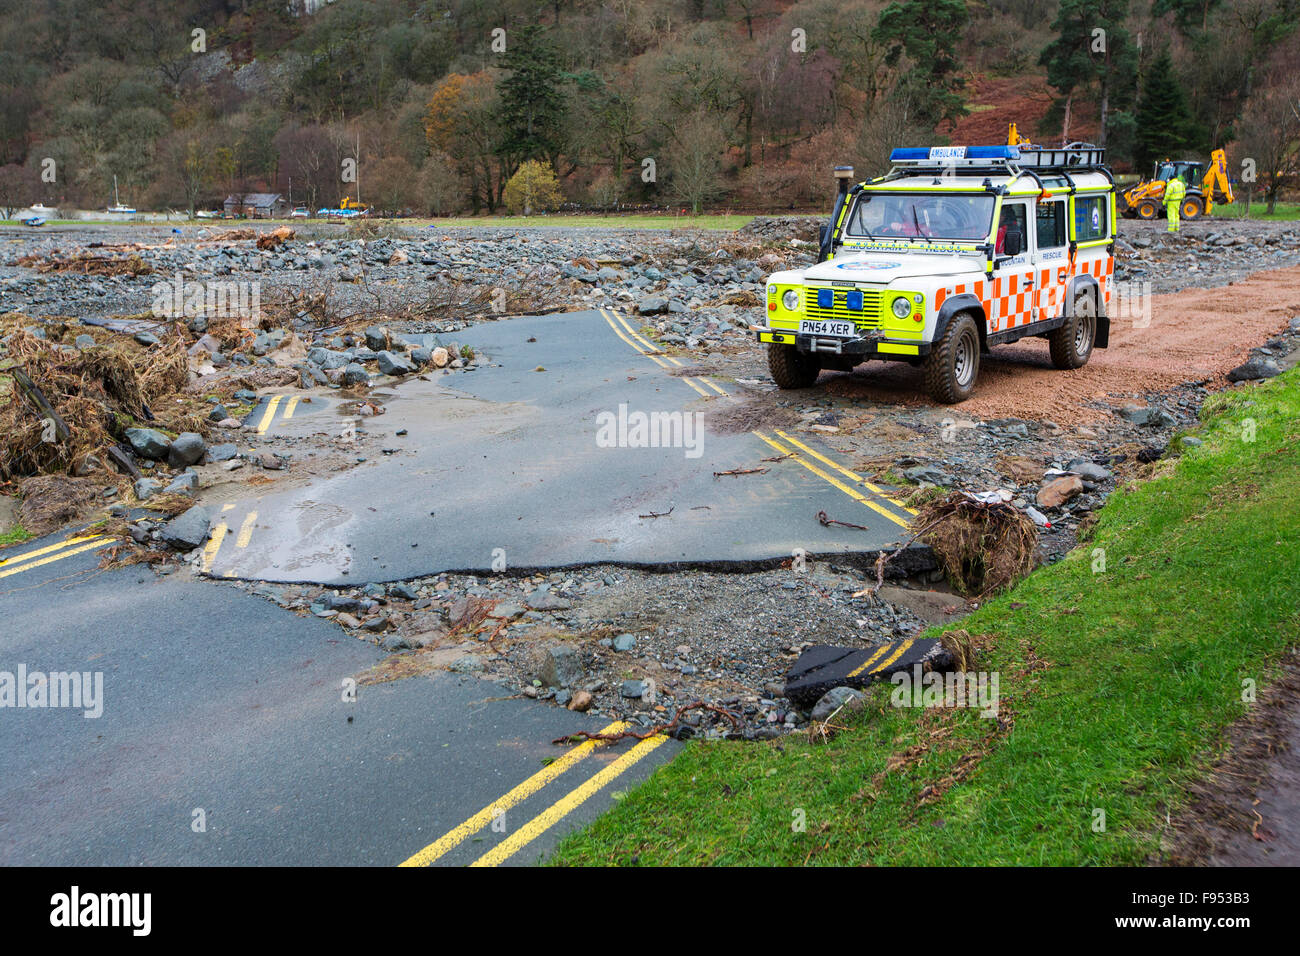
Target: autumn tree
1270, 136
463, 121
694, 160
533, 186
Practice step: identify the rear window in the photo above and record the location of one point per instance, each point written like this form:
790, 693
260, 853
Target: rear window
1090, 218
1050, 223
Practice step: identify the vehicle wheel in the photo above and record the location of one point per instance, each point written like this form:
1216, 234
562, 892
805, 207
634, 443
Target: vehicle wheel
1192, 208
791, 368
954, 361
1147, 210
1072, 343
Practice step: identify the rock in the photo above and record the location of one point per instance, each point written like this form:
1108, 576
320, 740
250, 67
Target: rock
562, 697
652, 305
546, 601
377, 338
403, 591
1059, 490
834, 699
224, 452
219, 413
1256, 367
1150, 453
624, 642
1146, 415
1088, 470
581, 701
326, 359
270, 462
440, 357
83, 342
420, 356
146, 339
186, 450
928, 474
188, 530
355, 374
186, 483
1191, 441
632, 689
148, 443
467, 664
394, 642
391, 363
146, 488
558, 665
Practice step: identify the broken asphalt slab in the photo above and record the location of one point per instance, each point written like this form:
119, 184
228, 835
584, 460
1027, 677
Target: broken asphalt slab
823, 667
503, 465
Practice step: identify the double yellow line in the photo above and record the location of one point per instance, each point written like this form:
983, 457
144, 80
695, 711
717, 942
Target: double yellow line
624, 330
54, 552
898, 649
218, 537
268, 413
873, 502
530, 831
878, 500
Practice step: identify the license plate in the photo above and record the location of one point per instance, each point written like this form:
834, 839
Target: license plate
828, 327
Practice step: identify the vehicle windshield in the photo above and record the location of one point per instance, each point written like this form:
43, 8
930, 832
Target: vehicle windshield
921, 215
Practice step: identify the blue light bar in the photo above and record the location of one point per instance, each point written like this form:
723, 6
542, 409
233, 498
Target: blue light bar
945, 154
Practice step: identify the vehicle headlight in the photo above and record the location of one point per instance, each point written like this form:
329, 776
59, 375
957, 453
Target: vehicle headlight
791, 300
902, 307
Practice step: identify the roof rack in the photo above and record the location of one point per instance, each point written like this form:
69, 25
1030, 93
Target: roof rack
1009, 158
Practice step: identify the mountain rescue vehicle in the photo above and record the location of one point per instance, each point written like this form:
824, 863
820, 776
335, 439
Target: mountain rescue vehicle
955, 250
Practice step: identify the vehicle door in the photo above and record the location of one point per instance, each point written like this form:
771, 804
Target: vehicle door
1051, 258
1013, 279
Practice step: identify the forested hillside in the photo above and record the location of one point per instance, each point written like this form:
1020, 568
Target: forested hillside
688, 103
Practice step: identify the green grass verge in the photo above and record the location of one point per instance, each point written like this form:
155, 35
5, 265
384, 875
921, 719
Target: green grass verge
1258, 210
15, 535
1116, 687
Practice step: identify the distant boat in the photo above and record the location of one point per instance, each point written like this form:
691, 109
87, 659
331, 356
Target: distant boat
117, 202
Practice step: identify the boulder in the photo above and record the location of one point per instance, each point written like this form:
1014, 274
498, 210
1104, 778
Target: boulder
186, 450
188, 530
148, 443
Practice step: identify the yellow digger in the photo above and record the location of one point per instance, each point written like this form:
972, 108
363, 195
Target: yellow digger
1146, 199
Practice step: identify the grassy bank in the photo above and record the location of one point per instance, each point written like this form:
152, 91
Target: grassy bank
1116, 684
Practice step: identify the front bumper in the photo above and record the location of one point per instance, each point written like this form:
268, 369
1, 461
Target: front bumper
871, 344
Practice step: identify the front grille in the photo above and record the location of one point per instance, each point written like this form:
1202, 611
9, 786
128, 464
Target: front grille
868, 317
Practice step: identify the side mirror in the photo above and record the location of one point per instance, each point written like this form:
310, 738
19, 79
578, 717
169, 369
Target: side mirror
1011, 245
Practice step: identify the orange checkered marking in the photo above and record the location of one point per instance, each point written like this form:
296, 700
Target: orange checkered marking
1017, 305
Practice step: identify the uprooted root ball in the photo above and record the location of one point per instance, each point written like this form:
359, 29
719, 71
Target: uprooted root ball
982, 548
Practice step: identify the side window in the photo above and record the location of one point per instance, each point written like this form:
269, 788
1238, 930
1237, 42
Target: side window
1090, 218
1050, 222
1012, 220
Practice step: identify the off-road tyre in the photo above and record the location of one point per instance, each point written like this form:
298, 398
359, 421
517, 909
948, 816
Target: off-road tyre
791, 368
1191, 208
1072, 343
1147, 209
954, 361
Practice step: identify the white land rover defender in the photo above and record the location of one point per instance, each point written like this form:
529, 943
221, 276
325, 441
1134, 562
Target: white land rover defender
955, 250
